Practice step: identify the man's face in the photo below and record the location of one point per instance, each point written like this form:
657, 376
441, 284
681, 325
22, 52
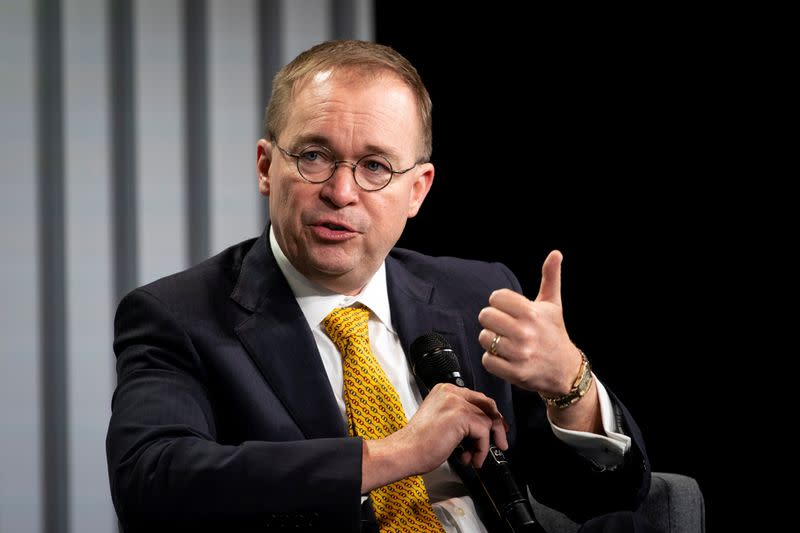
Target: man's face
335, 233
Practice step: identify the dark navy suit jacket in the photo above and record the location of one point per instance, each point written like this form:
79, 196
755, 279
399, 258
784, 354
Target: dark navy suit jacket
223, 418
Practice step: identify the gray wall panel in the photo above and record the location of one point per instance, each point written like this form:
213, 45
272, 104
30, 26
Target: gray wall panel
116, 213
120, 48
52, 261
195, 90
352, 19
364, 17
89, 265
158, 30
305, 23
235, 119
20, 433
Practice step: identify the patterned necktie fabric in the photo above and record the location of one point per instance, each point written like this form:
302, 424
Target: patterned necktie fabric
373, 412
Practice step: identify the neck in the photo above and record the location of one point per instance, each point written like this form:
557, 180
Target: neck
336, 283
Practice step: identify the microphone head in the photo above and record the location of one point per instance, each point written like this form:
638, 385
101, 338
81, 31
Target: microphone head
433, 360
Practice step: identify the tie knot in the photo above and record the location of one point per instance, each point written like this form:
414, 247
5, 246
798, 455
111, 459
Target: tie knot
345, 323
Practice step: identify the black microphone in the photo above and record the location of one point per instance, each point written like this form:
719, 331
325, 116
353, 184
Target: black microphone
433, 361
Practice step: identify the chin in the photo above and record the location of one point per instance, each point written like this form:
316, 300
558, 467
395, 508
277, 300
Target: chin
328, 268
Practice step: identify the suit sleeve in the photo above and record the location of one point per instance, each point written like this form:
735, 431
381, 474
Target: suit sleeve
166, 467
562, 479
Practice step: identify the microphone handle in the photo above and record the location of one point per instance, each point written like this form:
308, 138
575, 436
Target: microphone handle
496, 477
433, 361
500, 485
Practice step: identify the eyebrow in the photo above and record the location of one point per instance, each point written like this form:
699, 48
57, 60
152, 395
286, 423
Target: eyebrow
304, 140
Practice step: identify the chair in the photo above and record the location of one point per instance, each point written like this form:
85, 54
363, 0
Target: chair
674, 504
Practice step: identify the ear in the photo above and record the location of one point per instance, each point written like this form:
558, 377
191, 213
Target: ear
420, 187
263, 163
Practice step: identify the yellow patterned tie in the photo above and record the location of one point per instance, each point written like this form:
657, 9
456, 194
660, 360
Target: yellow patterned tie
374, 411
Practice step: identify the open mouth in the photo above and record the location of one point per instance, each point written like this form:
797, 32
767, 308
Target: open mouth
331, 231
335, 227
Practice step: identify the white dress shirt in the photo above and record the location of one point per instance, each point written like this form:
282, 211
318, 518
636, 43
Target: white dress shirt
447, 492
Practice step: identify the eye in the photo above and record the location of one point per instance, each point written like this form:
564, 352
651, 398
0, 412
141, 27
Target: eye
314, 160
315, 156
376, 164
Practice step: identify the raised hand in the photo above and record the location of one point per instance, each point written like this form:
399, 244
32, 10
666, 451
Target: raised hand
527, 344
526, 341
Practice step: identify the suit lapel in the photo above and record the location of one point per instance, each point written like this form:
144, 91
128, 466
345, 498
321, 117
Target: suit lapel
415, 312
277, 337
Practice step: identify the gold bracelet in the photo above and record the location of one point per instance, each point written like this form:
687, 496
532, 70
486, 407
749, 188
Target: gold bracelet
579, 387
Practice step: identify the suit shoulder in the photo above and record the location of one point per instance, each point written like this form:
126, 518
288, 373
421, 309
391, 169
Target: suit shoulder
218, 273
446, 270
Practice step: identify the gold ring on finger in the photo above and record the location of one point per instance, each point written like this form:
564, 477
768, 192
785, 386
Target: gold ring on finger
495, 342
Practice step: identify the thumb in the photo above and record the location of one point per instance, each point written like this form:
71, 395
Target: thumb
550, 289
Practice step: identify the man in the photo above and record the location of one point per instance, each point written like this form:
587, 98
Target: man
244, 394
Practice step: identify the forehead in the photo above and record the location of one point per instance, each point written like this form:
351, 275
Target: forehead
355, 98
352, 76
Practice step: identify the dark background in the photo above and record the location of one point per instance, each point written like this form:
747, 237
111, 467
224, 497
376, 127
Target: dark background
600, 138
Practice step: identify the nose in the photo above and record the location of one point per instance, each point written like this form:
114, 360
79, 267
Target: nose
341, 189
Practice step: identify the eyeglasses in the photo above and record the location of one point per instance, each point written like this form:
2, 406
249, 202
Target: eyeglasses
316, 164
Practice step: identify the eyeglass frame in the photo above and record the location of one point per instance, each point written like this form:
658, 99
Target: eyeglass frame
336, 162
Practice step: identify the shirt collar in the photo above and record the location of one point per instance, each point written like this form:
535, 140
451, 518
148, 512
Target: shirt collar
316, 301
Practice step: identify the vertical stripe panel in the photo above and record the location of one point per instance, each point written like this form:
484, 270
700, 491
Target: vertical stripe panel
195, 88
305, 23
89, 283
115, 196
353, 19
21, 506
158, 79
52, 290
235, 122
123, 148
269, 41
343, 22
364, 20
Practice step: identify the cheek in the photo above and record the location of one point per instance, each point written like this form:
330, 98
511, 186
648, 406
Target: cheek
281, 201
391, 220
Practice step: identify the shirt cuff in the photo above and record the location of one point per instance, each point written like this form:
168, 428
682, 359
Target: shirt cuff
607, 451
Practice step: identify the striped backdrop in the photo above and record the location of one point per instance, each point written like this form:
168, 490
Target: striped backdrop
127, 152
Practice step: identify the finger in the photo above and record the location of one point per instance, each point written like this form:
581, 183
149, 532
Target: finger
479, 447
485, 424
512, 303
499, 429
550, 289
495, 343
474, 445
466, 456
497, 321
476, 404
500, 367
485, 404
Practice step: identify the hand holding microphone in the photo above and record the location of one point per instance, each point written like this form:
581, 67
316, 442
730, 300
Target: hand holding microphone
449, 416
433, 361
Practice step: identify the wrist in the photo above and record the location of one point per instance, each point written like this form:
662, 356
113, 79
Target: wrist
580, 386
382, 462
